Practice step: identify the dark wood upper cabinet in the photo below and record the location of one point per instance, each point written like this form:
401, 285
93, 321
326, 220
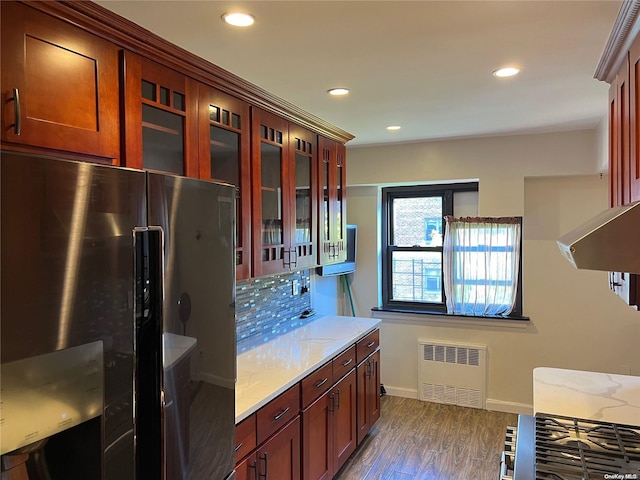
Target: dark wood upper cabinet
304, 196
332, 206
634, 121
624, 146
270, 177
160, 118
619, 145
81, 82
59, 85
283, 195
225, 156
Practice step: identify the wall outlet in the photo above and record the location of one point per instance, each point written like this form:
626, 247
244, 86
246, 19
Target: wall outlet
295, 287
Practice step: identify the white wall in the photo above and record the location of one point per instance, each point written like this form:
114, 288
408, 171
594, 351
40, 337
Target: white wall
552, 180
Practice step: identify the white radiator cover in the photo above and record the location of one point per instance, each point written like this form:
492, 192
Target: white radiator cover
452, 373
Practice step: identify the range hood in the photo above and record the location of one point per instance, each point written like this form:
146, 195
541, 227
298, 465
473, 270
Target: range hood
610, 241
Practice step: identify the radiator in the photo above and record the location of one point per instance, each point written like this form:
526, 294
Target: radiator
452, 373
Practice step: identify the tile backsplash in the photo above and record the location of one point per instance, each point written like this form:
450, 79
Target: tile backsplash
266, 307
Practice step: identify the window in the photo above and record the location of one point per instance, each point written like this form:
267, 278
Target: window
414, 259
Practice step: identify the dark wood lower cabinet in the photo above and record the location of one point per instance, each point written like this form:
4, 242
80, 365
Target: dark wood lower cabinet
315, 441
368, 387
329, 430
345, 420
276, 459
317, 438
279, 457
246, 469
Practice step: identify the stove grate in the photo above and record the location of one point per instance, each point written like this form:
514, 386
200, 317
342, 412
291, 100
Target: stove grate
577, 449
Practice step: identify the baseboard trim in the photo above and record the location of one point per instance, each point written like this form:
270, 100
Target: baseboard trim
401, 392
509, 407
491, 404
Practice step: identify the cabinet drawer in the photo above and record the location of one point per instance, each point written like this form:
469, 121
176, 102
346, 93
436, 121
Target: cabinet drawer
367, 345
245, 437
344, 362
277, 413
316, 384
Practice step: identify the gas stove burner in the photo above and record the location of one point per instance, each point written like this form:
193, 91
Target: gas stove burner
577, 449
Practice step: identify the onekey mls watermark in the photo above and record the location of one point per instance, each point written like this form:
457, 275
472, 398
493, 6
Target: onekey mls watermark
621, 476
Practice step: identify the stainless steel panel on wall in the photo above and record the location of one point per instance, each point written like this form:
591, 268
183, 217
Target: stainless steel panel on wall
67, 274
197, 218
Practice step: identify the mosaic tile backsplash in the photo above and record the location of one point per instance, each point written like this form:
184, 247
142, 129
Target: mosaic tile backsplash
267, 308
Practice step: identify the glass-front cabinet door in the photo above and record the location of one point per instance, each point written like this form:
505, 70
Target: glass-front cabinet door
225, 157
341, 202
160, 120
270, 201
304, 197
332, 233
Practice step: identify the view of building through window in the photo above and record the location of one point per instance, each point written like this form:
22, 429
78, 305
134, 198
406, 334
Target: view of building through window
417, 273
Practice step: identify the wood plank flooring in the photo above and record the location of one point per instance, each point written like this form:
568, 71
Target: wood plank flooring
416, 440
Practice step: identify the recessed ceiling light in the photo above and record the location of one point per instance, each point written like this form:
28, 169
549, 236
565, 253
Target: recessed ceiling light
238, 19
392, 128
338, 91
506, 72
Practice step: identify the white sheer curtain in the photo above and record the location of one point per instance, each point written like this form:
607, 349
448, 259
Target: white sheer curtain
481, 256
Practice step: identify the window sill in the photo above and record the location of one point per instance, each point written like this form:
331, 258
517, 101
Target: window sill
443, 319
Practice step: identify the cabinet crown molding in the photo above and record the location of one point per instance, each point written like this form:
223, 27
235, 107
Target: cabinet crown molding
625, 29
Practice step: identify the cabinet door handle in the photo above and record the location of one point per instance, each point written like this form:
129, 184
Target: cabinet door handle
266, 466
337, 394
281, 414
347, 362
16, 113
293, 252
370, 344
332, 408
239, 446
318, 385
255, 469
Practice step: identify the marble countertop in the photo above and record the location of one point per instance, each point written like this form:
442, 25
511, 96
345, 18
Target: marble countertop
268, 370
595, 396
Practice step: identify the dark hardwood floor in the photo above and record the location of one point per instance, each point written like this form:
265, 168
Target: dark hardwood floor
416, 440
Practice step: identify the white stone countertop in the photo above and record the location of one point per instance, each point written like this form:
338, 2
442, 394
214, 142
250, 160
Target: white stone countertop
269, 369
594, 396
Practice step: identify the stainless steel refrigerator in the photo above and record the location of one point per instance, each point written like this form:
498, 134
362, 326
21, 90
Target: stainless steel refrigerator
117, 323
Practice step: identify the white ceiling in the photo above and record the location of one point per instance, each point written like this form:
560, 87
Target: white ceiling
424, 65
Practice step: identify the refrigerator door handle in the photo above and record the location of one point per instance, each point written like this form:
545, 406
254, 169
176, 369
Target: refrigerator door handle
148, 387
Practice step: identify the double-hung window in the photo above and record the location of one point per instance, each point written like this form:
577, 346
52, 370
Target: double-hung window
417, 260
